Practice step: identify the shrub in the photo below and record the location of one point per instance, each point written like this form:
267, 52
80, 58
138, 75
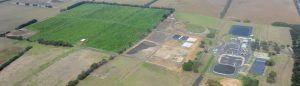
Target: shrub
54, 43
270, 63
4, 34
211, 82
188, 66
247, 81
280, 24
72, 83
271, 77
16, 37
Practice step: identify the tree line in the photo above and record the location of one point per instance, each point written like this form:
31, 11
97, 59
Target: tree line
295, 33
92, 68
9, 61
172, 10
26, 24
54, 43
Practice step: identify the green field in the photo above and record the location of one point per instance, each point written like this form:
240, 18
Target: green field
108, 27
192, 20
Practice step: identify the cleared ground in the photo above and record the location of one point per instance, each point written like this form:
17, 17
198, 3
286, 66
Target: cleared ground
108, 27
283, 67
126, 71
8, 49
264, 11
197, 7
12, 15
46, 65
133, 2
280, 35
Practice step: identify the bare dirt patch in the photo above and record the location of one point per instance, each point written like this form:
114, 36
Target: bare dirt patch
231, 82
12, 15
200, 7
264, 11
168, 52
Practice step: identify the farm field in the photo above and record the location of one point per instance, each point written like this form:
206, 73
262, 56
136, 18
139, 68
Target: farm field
126, 71
12, 15
198, 7
39, 66
8, 49
283, 67
280, 35
132, 2
107, 27
195, 23
264, 11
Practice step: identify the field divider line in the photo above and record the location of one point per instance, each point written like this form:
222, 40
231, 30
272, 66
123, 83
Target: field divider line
45, 66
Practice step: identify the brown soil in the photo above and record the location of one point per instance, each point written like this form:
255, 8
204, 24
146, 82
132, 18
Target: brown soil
264, 11
231, 82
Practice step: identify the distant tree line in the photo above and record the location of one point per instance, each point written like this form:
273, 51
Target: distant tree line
226, 7
84, 74
12, 59
265, 46
149, 3
26, 24
4, 34
172, 10
4, 1
295, 33
54, 43
15, 37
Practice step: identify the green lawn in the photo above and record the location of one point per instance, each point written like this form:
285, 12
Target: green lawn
107, 27
197, 20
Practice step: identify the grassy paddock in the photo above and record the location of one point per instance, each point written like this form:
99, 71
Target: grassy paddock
108, 27
198, 20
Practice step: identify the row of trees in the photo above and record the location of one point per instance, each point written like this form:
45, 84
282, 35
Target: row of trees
84, 74
15, 37
149, 3
26, 24
4, 34
226, 7
266, 46
54, 43
295, 33
9, 61
172, 10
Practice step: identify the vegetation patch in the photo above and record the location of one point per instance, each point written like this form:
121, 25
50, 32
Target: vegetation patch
199, 20
5, 64
109, 27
